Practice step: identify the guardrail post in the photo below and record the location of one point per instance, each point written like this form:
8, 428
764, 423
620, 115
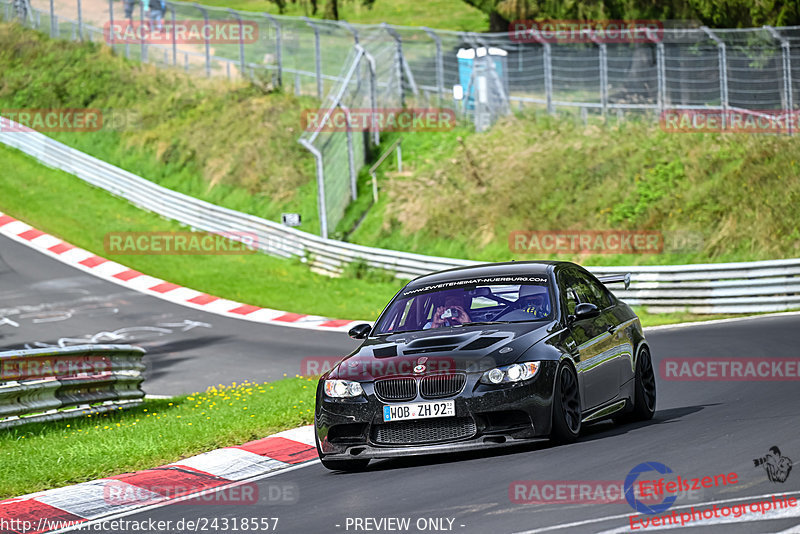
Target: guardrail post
786, 57
350, 156
323, 217
278, 48
723, 73
439, 60
241, 41
205, 39
317, 56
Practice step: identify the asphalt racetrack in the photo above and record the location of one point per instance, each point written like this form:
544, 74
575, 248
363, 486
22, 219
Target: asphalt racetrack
44, 302
700, 429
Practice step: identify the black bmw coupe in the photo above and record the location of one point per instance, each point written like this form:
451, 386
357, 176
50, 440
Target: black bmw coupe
483, 356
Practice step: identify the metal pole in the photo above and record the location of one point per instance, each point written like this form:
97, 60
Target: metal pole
351, 29
317, 56
110, 37
174, 37
439, 60
662, 77
205, 38
350, 156
603, 58
323, 220
278, 47
399, 158
143, 44
398, 62
788, 98
723, 73
80, 21
373, 95
241, 42
53, 19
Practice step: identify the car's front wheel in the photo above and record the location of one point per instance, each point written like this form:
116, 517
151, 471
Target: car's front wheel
566, 406
345, 465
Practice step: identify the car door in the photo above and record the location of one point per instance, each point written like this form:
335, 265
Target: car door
598, 368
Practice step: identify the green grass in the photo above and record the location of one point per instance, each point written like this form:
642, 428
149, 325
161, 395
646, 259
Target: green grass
85, 214
232, 144
40, 456
461, 194
454, 15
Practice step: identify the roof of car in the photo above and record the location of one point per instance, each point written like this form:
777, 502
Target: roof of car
512, 268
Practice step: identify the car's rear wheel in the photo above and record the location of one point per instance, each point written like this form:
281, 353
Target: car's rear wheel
566, 406
346, 465
644, 405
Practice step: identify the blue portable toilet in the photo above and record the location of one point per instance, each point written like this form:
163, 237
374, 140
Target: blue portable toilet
466, 67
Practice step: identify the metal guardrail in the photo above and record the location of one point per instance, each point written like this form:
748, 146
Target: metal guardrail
58, 383
700, 288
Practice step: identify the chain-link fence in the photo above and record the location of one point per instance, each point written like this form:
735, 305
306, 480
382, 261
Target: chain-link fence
477, 76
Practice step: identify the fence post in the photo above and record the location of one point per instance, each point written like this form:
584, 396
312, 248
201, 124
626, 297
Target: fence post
80, 21
110, 34
439, 60
350, 155
317, 56
351, 29
547, 58
662, 77
603, 57
241, 41
723, 73
398, 61
174, 37
788, 104
278, 47
143, 43
323, 218
205, 38
373, 95
53, 19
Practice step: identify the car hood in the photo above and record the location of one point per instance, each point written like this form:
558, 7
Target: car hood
469, 348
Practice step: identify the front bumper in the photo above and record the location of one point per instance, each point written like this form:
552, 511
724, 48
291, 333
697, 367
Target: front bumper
486, 416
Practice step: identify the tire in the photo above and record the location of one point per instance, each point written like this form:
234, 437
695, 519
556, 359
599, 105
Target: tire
566, 424
345, 465
644, 404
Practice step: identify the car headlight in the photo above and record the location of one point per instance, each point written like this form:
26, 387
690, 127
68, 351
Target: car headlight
343, 389
516, 372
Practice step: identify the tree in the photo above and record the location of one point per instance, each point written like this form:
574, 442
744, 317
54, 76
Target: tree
715, 13
331, 9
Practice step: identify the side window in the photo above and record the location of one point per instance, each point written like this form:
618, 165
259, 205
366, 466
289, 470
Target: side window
569, 294
593, 291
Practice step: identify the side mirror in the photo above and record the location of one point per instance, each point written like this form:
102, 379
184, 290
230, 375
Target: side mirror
585, 310
360, 331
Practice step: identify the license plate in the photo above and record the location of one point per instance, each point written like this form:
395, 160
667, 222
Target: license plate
419, 410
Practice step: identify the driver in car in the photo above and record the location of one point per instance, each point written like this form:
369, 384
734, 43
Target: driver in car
451, 314
533, 300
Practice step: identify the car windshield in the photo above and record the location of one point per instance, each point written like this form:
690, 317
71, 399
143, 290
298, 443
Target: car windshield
442, 305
